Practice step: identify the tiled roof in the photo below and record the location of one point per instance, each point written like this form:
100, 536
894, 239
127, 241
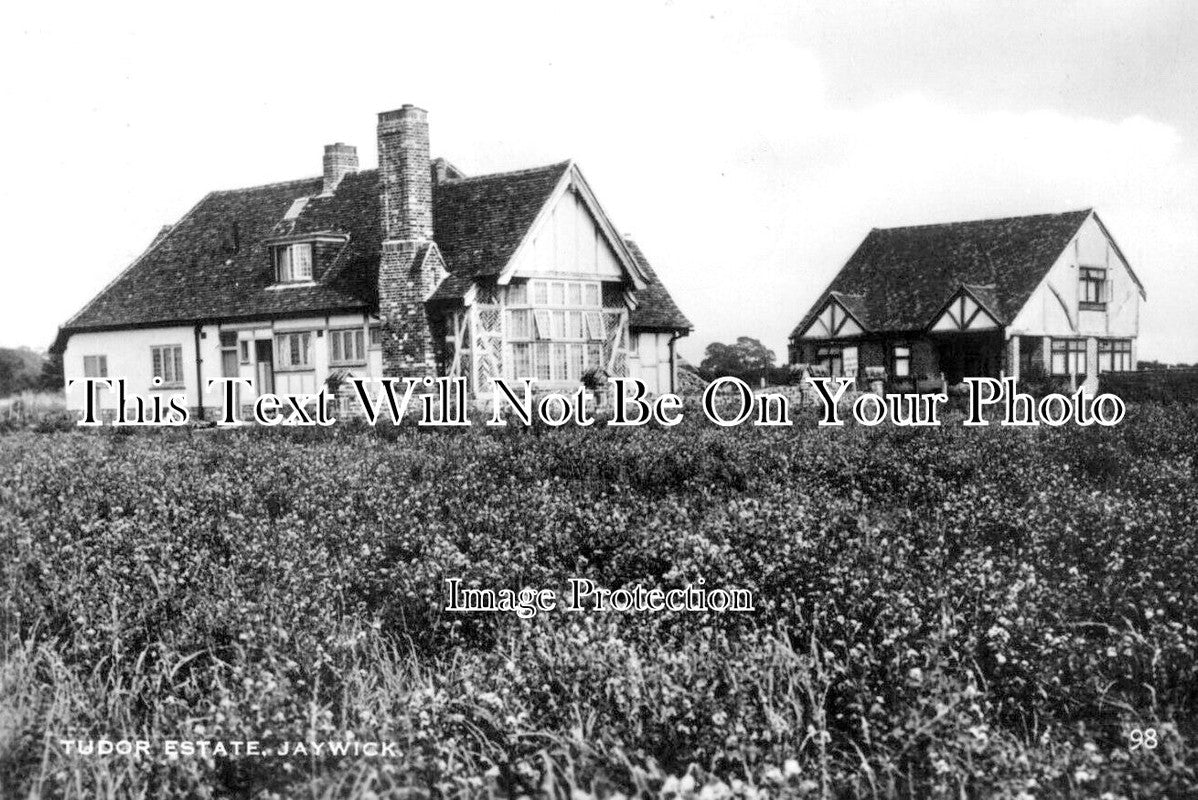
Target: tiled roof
655, 308
479, 222
903, 276
215, 264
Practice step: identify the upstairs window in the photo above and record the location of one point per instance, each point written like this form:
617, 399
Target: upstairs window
902, 361
1093, 288
293, 263
168, 364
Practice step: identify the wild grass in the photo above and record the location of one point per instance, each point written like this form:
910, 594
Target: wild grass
32, 410
940, 613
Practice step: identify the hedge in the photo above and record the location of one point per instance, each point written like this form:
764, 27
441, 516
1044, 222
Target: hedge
1161, 385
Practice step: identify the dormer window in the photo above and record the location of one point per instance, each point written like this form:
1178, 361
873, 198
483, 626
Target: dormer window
293, 262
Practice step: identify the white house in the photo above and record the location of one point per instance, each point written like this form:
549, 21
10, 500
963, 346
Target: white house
412, 269
1050, 294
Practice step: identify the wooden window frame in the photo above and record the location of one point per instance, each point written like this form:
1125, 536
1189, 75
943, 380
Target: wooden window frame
101, 364
1074, 353
282, 366
290, 250
896, 359
159, 369
1116, 353
1093, 288
562, 338
337, 336
834, 357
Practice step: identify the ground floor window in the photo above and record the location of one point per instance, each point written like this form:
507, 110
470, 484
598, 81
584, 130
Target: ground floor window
902, 361
168, 364
830, 358
1069, 357
95, 366
1114, 355
554, 361
347, 346
294, 350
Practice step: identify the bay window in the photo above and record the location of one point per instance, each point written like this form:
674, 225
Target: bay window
554, 329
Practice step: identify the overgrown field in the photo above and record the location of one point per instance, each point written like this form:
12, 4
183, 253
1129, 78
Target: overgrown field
939, 612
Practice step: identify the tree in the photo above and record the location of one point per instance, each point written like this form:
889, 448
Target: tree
51, 378
747, 359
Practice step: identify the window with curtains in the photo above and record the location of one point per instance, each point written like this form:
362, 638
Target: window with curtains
1114, 355
1069, 357
167, 363
293, 350
347, 346
293, 262
554, 329
1092, 295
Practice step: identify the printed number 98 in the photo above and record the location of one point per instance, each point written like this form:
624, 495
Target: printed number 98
1142, 738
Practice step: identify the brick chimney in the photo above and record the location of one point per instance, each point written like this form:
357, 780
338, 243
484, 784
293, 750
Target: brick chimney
405, 177
339, 160
406, 221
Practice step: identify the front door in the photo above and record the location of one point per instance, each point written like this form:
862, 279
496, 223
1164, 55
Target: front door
970, 355
264, 356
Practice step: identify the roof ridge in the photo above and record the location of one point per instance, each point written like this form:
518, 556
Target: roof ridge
1086, 210
275, 185
510, 173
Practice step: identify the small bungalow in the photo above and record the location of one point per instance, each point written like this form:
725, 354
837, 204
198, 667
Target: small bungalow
1045, 295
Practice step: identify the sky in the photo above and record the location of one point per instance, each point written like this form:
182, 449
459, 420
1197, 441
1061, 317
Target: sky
748, 147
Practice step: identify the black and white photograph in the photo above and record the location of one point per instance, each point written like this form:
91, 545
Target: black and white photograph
685, 400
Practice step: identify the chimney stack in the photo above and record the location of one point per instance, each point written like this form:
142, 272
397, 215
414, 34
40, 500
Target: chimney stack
406, 271
339, 160
405, 177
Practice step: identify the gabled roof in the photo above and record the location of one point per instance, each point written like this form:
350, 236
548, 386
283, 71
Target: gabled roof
655, 309
215, 263
906, 275
479, 222
855, 305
